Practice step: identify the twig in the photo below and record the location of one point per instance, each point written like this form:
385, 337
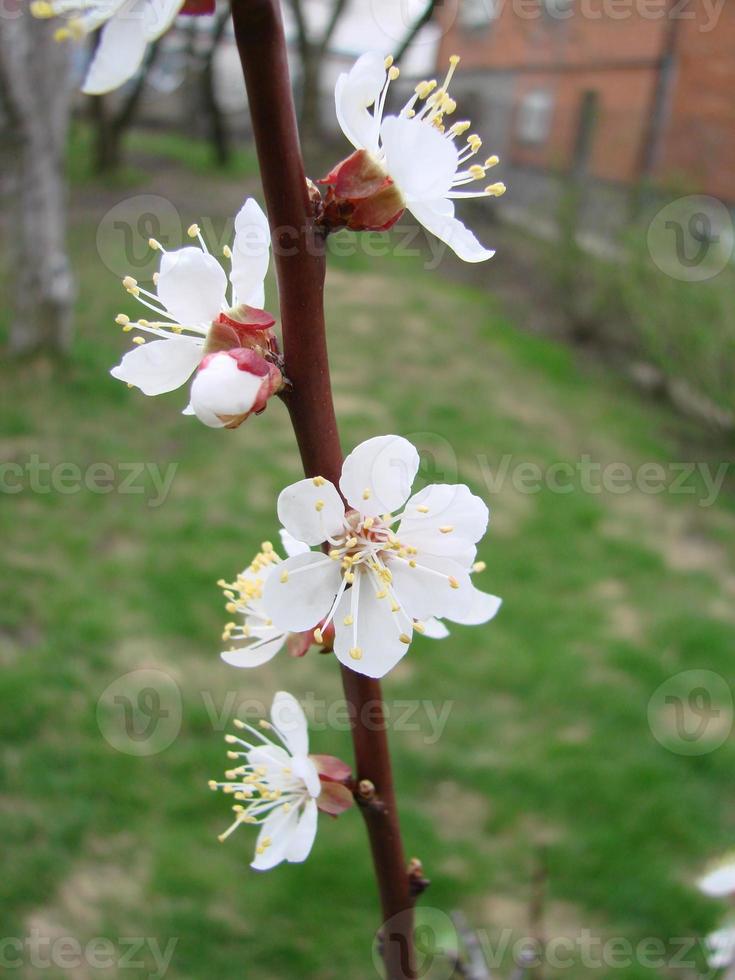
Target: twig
300, 267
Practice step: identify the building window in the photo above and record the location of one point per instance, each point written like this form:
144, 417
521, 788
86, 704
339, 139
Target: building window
533, 122
474, 14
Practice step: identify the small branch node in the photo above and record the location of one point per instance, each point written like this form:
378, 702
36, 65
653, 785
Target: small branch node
417, 881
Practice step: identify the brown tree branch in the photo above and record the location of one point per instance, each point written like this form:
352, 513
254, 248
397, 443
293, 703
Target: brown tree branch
413, 32
300, 268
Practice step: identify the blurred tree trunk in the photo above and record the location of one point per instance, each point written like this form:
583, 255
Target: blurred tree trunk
111, 124
312, 52
216, 122
36, 105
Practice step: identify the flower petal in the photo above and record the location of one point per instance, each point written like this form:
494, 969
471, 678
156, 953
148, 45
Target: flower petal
250, 254
254, 654
444, 519
302, 838
377, 475
426, 590
354, 93
435, 629
119, 53
289, 719
159, 16
438, 218
720, 882
311, 510
221, 390
482, 608
375, 631
291, 545
306, 770
161, 365
306, 596
418, 157
192, 286
279, 826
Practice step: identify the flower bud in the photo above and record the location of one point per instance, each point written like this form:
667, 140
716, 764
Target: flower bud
230, 385
361, 196
242, 327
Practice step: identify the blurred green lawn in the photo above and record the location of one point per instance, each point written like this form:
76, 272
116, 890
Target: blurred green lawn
547, 744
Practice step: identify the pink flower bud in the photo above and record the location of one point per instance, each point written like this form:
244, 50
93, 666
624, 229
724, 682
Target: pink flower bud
230, 385
335, 777
361, 196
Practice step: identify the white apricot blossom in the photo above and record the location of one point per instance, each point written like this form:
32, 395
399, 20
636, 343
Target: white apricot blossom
254, 640
426, 159
127, 28
392, 562
719, 881
276, 784
199, 313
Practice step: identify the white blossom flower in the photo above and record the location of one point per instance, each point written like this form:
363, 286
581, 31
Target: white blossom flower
719, 881
276, 784
428, 160
385, 573
128, 27
197, 312
721, 947
256, 640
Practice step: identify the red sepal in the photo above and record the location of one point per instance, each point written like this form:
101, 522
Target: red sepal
198, 8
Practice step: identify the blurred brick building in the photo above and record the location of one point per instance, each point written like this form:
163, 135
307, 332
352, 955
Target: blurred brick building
615, 90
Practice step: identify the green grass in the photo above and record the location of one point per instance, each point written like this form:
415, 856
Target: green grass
547, 744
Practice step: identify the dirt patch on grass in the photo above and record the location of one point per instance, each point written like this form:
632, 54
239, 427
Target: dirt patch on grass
457, 812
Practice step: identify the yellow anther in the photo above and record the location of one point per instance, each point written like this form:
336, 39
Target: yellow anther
393, 72
419, 627
319, 505
404, 638
227, 252
454, 59
492, 161
238, 724
192, 231
318, 635
356, 653
130, 283
62, 34
267, 547
349, 577
155, 245
261, 770
394, 607
230, 739
212, 784
388, 62
335, 555
122, 319
230, 607
156, 277
284, 576
413, 563
318, 481
446, 528
139, 340
496, 190
348, 620
477, 171
474, 142
459, 128
367, 493
449, 106
424, 89
422, 509
453, 582
479, 566
381, 595
41, 9
368, 523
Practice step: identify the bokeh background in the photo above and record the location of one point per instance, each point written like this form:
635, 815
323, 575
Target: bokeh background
564, 773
